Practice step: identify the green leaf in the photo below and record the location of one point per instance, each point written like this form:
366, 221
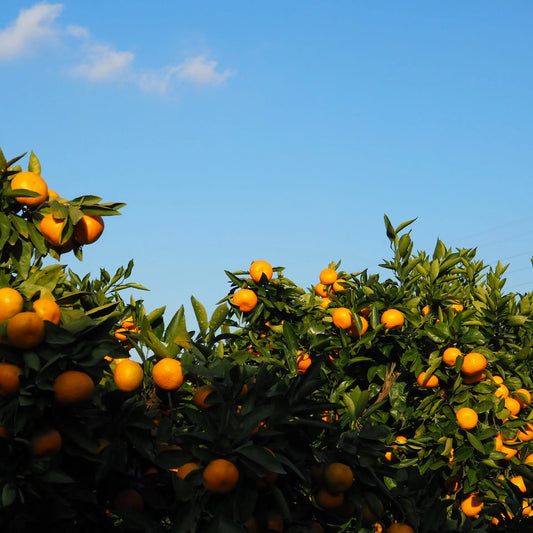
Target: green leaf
9, 495
201, 315
33, 164
217, 318
475, 442
391, 234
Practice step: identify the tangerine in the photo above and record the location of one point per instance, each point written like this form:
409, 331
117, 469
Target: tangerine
467, 418
200, 396
473, 362
128, 375
47, 309
392, 319
328, 276
46, 442
11, 302
258, 269
220, 476
25, 330
245, 300
342, 317
73, 386
472, 505
353, 330
168, 374
9, 379
88, 229
430, 382
30, 181
450, 355
52, 229
337, 477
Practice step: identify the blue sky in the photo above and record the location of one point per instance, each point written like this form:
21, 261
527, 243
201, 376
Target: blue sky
276, 130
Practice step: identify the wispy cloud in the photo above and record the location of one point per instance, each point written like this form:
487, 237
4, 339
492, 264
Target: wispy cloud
32, 27
101, 61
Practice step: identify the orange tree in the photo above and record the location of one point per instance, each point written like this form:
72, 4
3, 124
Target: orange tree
359, 404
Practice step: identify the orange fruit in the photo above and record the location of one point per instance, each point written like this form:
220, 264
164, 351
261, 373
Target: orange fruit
260, 268
304, 362
129, 324
47, 309
128, 375
127, 500
522, 396
457, 307
46, 442
220, 476
51, 228
320, 289
452, 484
25, 330
88, 229
245, 300
9, 379
518, 481
526, 433
168, 374
337, 477
73, 386
513, 405
473, 362
342, 317
431, 381
29, 181
425, 310
200, 396
502, 391
52, 195
352, 330
338, 286
328, 276
185, 469
472, 505
450, 355
509, 451
466, 418
327, 500
11, 302
400, 528
392, 319
325, 302
474, 378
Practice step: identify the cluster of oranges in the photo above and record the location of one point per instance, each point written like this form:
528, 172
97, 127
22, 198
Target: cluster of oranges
87, 229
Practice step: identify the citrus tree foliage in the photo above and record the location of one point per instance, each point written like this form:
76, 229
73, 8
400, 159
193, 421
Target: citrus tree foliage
338, 407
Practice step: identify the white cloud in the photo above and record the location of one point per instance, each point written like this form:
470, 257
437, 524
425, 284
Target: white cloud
201, 71
32, 27
103, 62
197, 70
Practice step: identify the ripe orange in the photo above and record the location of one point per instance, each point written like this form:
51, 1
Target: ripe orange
185, 469
245, 300
47, 309
450, 355
304, 362
327, 500
9, 379
129, 324
337, 477
526, 433
260, 268
168, 374
338, 285
499, 446
52, 195
46, 442
51, 228
472, 505
502, 391
328, 276
513, 405
11, 302
73, 386
274, 522
518, 481
474, 378
29, 181
473, 362
320, 289
400, 528
25, 330
352, 330
522, 396
128, 375
325, 301
393, 319
342, 317
466, 418
425, 310
430, 382
128, 499
201, 395
457, 307
220, 476
88, 229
